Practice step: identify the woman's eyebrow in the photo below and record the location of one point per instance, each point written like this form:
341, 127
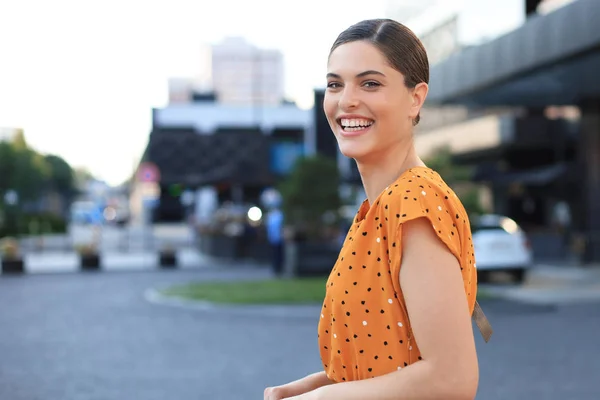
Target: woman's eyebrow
360, 75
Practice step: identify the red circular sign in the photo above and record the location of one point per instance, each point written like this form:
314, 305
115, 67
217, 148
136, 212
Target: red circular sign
148, 172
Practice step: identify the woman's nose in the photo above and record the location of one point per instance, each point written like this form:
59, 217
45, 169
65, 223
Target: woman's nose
348, 99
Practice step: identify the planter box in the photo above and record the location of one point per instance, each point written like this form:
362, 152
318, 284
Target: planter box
235, 248
260, 252
167, 259
13, 266
304, 259
89, 262
221, 246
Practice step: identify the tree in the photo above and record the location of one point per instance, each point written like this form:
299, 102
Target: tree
62, 177
7, 166
310, 193
21, 169
18, 140
82, 176
30, 171
30, 175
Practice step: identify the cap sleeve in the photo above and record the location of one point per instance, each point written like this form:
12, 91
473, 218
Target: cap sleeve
424, 197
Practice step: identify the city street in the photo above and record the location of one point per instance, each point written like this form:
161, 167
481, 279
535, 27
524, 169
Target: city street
187, 142
79, 336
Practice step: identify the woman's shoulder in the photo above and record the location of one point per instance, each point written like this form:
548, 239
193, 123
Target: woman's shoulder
422, 193
421, 178
420, 189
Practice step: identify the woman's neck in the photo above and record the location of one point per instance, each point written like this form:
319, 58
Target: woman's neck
382, 170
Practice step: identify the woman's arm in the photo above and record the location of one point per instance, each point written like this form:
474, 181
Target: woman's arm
304, 385
433, 288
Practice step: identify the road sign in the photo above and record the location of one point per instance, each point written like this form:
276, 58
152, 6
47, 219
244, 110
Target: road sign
148, 172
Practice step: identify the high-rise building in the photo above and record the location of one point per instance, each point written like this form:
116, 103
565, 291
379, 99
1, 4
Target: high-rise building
245, 74
180, 90
236, 73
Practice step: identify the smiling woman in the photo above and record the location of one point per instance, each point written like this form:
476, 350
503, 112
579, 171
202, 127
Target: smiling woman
395, 321
391, 91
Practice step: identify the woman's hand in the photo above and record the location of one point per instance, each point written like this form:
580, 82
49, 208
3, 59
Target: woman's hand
279, 393
274, 393
308, 386
312, 395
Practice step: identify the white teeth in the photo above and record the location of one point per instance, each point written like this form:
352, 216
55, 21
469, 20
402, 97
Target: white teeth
355, 122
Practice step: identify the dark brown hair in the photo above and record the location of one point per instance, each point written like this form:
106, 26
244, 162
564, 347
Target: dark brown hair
402, 48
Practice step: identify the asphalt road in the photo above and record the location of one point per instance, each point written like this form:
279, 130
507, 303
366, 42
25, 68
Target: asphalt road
81, 336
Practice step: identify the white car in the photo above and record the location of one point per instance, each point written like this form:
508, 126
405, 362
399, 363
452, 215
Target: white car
501, 245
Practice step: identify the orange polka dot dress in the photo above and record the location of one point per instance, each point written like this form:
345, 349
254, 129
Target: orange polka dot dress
364, 330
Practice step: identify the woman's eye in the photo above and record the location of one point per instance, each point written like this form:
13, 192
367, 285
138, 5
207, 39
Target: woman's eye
333, 85
371, 84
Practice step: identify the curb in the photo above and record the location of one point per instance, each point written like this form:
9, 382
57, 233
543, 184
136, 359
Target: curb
311, 311
549, 285
565, 295
154, 296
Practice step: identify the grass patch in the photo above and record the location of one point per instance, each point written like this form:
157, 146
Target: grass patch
271, 291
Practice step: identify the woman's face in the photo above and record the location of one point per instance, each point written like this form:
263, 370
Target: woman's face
368, 106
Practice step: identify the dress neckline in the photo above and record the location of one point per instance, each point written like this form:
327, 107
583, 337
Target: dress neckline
365, 207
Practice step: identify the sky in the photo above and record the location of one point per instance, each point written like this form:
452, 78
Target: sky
81, 77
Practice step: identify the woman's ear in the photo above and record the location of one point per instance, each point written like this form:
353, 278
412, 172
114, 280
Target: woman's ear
419, 94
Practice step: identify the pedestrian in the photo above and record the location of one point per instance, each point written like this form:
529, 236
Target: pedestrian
274, 227
396, 318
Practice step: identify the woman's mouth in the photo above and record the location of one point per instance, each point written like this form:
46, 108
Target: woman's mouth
355, 125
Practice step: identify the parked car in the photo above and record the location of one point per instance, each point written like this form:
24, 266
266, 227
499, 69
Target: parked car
501, 245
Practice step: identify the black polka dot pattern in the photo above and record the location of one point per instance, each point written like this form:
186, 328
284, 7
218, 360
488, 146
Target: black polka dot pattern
366, 324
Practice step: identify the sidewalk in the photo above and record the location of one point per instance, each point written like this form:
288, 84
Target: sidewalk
121, 248
68, 261
552, 285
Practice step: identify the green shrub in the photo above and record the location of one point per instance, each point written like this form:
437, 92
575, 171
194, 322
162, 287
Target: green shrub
311, 198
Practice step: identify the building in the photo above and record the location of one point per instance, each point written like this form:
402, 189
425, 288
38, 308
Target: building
529, 102
231, 152
181, 90
244, 74
226, 134
234, 72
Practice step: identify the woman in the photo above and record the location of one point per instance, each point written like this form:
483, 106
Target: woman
395, 322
